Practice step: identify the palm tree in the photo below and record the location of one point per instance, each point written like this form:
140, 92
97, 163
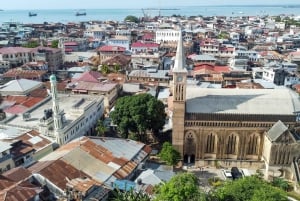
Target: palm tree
101, 128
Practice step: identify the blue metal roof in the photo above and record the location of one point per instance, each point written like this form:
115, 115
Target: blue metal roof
124, 185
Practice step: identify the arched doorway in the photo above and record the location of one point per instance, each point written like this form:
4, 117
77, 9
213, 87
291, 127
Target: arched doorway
189, 148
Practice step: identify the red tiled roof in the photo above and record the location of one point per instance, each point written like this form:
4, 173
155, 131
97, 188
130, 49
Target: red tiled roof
26, 74
70, 43
91, 86
16, 109
145, 45
110, 48
89, 76
14, 50
222, 69
148, 36
120, 59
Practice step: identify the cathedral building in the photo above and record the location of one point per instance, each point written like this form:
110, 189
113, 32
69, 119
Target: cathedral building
233, 127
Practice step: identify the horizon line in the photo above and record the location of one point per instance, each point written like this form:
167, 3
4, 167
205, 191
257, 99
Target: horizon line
135, 8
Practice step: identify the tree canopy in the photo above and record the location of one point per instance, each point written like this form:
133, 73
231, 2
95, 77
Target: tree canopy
131, 18
169, 154
131, 195
100, 128
54, 44
138, 114
248, 189
183, 186
31, 44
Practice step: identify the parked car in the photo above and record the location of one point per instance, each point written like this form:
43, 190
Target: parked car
227, 174
245, 172
236, 174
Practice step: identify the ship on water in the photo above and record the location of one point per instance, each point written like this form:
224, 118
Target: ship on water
80, 13
31, 14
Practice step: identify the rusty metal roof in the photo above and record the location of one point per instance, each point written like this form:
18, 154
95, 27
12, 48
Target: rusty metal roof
102, 159
59, 172
17, 174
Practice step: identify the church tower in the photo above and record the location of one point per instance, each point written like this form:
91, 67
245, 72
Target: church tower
58, 115
61, 46
179, 96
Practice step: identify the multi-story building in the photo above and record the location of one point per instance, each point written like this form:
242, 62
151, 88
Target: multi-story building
121, 41
95, 31
16, 56
238, 127
109, 51
138, 47
6, 160
166, 35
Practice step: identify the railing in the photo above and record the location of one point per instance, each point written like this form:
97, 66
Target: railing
6, 157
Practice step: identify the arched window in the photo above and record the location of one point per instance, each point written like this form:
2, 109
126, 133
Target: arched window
231, 146
253, 144
210, 143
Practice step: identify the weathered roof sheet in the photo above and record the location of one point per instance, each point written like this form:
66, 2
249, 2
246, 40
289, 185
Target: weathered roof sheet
276, 131
97, 169
59, 172
17, 174
20, 85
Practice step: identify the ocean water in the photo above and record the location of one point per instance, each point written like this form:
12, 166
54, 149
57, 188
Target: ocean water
68, 15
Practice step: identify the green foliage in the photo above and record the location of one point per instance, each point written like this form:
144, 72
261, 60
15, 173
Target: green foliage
215, 181
137, 114
131, 18
104, 69
281, 183
169, 154
129, 196
54, 44
116, 68
277, 19
183, 186
223, 35
248, 189
31, 44
101, 129
291, 21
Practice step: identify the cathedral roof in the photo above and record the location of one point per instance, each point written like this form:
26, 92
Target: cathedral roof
242, 101
179, 65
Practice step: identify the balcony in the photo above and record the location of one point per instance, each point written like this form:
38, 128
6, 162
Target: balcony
6, 157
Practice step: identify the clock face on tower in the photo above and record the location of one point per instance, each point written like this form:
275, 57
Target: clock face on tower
179, 78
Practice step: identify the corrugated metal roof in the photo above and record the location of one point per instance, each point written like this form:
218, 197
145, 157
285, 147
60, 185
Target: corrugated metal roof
88, 164
59, 172
120, 147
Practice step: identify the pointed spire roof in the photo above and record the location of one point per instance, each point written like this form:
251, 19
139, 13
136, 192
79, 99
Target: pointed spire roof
179, 65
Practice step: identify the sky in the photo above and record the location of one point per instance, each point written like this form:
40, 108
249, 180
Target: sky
89, 4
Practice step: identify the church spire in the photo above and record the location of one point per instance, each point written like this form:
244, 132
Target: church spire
179, 65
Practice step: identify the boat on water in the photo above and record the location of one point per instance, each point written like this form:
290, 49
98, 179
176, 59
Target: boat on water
80, 13
31, 14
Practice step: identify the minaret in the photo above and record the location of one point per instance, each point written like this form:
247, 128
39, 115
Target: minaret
57, 114
179, 96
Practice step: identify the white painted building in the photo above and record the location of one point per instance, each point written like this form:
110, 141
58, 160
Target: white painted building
94, 31
121, 41
62, 117
166, 35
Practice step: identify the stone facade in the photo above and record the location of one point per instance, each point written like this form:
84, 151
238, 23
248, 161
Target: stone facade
230, 139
